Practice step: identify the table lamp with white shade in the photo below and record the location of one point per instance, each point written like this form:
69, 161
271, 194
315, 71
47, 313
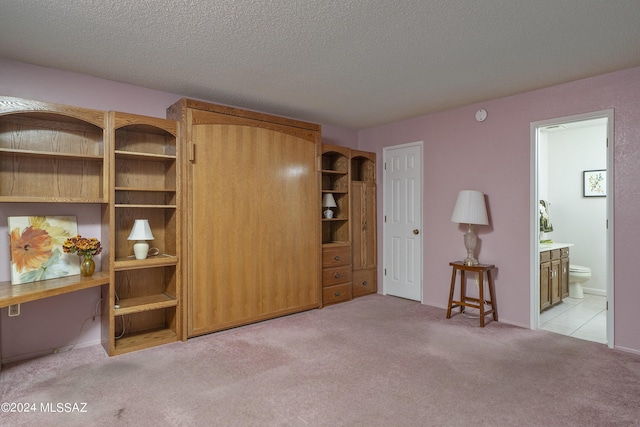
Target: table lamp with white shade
141, 232
328, 201
470, 209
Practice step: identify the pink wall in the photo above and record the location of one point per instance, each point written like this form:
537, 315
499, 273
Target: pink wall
494, 157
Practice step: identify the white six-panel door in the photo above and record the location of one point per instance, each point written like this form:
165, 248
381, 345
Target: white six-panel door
402, 222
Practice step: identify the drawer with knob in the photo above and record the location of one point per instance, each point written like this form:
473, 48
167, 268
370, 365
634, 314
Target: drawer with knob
334, 257
337, 293
364, 282
334, 276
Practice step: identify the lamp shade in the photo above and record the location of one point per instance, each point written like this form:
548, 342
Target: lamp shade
328, 201
470, 208
140, 230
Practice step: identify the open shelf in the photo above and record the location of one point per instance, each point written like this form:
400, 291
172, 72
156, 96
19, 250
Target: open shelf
52, 152
145, 303
144, 156
145, 197
49, 199
335, 231
130, 263
144, 339
163, 223
363, 167
50, 155
335, 160
145, 206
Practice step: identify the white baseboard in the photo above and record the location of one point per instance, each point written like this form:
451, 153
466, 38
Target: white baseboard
594, 291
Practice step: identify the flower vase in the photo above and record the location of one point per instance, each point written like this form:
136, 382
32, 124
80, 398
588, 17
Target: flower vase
87, 266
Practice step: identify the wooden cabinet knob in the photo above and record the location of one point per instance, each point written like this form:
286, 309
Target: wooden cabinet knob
337, 258
337, 294
337, 275
364, 283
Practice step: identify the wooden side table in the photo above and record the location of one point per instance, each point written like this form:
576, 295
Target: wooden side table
466, 301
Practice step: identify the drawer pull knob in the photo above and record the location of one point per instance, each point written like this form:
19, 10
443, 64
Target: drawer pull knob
337, 258
337, 275
337, 294
364, 283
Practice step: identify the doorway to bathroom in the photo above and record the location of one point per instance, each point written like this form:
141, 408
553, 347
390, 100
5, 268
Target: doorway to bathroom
572, 189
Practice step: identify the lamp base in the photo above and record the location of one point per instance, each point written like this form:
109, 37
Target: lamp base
470, 240
141, 249
470, 261
328, 214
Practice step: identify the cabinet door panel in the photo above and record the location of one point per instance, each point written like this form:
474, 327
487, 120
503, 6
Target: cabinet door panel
555, 282
545, 293
363, 200
253, 194
564, 277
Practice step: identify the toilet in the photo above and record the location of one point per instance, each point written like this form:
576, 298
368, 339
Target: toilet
578, 274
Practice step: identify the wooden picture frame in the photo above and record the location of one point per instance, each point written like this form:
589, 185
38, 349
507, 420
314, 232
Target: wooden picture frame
594, 183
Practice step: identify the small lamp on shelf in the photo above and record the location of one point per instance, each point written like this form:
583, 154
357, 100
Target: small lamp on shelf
328, 202
470, 209
141, 232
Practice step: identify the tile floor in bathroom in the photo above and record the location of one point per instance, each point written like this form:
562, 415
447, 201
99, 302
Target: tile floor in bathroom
580, 318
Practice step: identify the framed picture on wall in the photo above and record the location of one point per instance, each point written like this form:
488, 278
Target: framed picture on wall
594, 183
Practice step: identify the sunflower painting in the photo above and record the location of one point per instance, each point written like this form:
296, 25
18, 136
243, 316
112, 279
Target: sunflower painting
36, 248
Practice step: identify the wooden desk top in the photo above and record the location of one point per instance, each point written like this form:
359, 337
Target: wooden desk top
18, 294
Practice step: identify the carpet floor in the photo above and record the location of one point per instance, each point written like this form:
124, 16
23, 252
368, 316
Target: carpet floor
374, 361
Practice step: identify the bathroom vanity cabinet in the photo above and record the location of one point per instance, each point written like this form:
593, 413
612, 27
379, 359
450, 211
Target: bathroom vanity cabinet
554, 275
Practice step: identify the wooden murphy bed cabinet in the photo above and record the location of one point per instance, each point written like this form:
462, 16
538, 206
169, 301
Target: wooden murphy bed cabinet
52, 153
249, 187
252, 198
554, 277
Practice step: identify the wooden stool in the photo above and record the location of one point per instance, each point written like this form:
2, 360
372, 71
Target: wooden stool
466, 301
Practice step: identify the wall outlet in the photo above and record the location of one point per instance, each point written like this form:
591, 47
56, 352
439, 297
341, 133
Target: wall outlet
14, 310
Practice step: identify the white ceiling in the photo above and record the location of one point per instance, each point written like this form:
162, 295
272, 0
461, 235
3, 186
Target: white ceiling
348, 63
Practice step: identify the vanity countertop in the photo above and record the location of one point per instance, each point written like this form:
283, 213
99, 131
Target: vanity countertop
551, 246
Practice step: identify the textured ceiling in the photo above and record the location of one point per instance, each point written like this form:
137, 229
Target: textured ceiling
348, 63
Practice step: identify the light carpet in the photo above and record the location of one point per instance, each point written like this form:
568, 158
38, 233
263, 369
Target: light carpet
374, 361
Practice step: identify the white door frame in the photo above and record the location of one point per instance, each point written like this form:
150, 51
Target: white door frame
385, 255
534, 228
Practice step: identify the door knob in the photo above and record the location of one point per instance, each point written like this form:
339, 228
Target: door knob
416, 231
